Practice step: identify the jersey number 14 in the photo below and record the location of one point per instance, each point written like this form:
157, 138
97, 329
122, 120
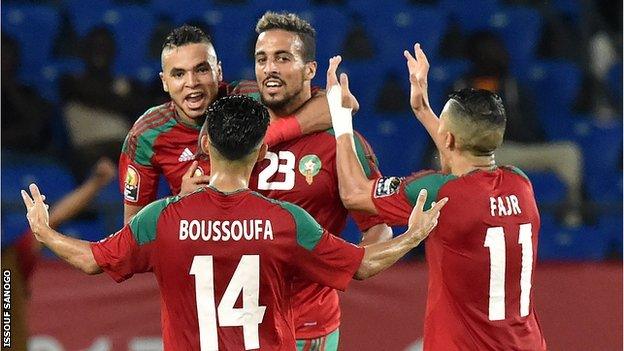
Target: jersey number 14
246, 280
495, 241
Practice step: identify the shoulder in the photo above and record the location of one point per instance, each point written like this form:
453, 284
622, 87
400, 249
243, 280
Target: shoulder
140, 140
515, 170
430, 180
307, 229
144, 223
243, 87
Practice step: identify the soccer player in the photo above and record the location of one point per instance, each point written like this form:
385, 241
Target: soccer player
482, 255
225, 242
303, 170
20, 253
164, 139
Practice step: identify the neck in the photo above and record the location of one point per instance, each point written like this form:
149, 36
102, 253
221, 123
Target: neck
468, 163
227, 176
186, 120
293, 105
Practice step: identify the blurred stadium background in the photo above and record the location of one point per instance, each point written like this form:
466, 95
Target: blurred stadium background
566, 54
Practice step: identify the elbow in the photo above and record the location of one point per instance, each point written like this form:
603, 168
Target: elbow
91, 269
364, 272
349, 199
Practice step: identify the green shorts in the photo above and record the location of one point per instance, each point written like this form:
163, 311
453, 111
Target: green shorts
328, 342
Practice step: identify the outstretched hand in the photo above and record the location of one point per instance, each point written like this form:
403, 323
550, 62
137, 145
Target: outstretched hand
418, 67
423, 222
348, 99
104, 171
340, 100
36, 210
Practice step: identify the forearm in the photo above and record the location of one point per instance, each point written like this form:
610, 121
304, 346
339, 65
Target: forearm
314, 115
354, 187
74, 202
73, 251
431, 122
378, 257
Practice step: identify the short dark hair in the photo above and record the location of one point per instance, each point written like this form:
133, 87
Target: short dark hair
236, 124
290, 22
482, 118
184, 35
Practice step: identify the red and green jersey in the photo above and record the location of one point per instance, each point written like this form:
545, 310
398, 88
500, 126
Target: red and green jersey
160, 143
303, 171
225, 264
481, 257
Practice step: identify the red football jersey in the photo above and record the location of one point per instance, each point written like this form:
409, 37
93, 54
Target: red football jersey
225, 265
481, 257
303, 171
160, 143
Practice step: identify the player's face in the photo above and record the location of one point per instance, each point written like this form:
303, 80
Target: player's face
191, 75
282, 74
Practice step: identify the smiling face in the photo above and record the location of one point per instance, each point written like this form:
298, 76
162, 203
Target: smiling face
282, 74
191, 75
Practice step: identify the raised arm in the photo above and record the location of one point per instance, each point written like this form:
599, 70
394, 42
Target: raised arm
354, 187
379, 256
418, 67
75, 252
76, 201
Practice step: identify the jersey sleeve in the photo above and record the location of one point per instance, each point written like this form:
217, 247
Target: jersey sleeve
369, 163
138, 177
132, 249
320, 256
395, 197
120, 256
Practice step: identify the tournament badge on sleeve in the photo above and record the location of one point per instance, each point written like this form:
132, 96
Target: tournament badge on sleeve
131, 186
310, 166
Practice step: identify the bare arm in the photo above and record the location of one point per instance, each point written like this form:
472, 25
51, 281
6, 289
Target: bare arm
76, 201
418, 67
354, 187
73, 251
379, 256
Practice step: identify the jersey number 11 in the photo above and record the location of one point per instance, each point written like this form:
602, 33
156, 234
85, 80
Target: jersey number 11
495, 241
246, 280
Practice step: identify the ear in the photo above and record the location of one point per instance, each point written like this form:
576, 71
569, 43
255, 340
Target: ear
263, 150
164, 83
219, 72
310, 70
205, 143
449, 140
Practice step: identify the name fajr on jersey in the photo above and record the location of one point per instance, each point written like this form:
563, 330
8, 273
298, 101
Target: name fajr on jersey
303, 171
225, 265
481, 257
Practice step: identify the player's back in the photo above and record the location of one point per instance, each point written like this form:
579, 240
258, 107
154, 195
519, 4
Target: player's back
225, 263
481, 261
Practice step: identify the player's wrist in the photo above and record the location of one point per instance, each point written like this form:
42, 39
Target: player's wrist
342, 119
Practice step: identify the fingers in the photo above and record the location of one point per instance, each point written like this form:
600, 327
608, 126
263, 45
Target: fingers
203, 179
420, 54
418, 207
346, 94
191, 170
36, 195
27, 200
332, 78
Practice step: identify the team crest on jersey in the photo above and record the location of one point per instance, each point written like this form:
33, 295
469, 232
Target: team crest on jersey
310, 166
131, 184
387, 186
